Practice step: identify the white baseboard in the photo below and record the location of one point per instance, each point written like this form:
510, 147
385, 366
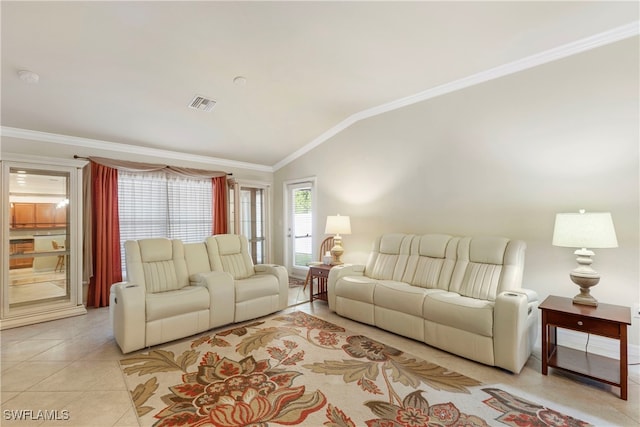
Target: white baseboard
596, 344
31, 319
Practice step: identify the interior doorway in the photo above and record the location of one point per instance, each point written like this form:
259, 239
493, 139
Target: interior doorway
41, 274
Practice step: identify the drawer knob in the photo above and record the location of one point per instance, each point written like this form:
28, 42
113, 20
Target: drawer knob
579, 322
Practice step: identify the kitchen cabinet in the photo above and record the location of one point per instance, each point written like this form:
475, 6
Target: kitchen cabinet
24, 215
60, 217
44, 214
17, 249
37, 215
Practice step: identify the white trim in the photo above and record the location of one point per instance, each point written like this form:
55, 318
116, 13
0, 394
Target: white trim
253, 183
27, 158
569, 49
31, 319
124, 148
595, 344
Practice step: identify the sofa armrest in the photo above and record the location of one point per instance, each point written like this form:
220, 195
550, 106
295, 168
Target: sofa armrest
222, 295
515, 328
531, 295
283, 281
336, 273
127, 310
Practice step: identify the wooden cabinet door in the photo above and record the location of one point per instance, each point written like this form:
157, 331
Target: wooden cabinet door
37, 215
60, 217
45, 213
25, 215
20, 248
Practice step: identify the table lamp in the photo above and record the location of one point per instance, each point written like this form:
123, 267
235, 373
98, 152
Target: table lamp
337, 225
584, 230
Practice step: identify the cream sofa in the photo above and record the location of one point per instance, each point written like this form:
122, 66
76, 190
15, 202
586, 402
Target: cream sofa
174, 289
460, 294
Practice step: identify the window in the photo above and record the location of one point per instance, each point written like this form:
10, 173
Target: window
163, 205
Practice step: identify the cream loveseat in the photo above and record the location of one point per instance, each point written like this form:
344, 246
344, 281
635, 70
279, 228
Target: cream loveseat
460, 294
174, 289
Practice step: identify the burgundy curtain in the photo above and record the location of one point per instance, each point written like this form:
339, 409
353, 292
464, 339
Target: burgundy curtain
219, 201
105, 231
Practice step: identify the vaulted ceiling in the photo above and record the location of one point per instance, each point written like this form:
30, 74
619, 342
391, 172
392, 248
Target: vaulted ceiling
125, 72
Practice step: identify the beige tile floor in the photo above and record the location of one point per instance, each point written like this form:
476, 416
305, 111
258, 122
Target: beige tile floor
72, 365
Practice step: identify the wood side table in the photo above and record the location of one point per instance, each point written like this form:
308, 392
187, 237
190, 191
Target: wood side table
321, 273
605, 320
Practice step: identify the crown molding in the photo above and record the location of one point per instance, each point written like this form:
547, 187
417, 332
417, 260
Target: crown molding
125, 148
601, 39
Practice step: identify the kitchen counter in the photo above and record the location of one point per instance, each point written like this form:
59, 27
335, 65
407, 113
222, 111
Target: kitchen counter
43, 243
23, 239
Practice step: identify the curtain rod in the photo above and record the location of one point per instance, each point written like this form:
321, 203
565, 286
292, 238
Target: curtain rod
75, 156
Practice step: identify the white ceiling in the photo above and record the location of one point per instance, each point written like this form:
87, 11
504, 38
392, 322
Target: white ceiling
124, 72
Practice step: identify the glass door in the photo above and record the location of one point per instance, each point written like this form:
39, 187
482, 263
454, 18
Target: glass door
39, 272
252, 204
248, 215
299, 227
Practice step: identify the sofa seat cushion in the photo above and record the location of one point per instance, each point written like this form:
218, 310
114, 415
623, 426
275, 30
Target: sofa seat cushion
460, 312
162, 305
256, 286
402, 297
358, 288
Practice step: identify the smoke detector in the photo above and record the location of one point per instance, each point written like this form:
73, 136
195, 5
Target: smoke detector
201, 103
28, 76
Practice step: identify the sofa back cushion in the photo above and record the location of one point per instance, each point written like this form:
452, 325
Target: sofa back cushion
389, 256
197, 258
230, 253
431, 261
158, 264
487, 266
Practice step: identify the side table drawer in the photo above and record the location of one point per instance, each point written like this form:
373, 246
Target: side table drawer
584, 324
319, 272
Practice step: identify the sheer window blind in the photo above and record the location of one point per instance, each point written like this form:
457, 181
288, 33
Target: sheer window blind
158, 205
189, 208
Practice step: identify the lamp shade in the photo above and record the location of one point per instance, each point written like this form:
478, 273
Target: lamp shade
337, 224
584, 230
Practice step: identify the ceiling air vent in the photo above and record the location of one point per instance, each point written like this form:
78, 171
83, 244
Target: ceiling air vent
201, 103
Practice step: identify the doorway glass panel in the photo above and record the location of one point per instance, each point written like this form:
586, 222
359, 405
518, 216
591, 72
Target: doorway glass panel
252, 208
301, 226
38, 237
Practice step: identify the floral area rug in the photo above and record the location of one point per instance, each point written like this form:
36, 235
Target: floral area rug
296, 369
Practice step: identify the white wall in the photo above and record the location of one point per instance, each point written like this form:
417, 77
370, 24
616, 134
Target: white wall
500, 158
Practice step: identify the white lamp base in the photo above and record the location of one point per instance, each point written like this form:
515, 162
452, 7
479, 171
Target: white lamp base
585, 277
585, 298
336, 251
